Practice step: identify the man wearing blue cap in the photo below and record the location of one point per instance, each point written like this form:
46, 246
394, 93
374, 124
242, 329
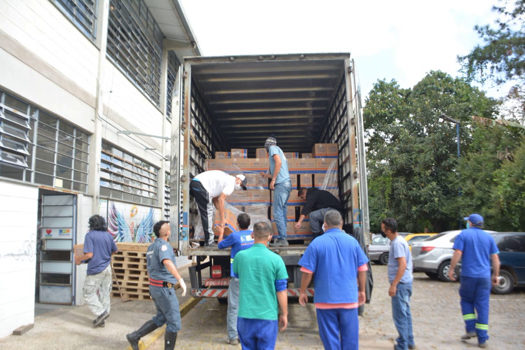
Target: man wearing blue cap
476, 249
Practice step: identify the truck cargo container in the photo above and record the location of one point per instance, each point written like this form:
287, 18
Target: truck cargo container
236, 103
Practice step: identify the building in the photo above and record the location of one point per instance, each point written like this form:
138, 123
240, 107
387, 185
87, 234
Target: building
86, 106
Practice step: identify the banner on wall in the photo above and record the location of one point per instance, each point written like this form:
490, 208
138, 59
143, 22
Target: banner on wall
130, 222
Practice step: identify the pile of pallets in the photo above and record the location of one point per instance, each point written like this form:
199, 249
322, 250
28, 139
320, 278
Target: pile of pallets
130, 270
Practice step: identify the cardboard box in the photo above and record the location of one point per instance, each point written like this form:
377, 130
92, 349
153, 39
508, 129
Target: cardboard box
293, 179
306, 180
294, 199
306, 155
290, 213
291, 155
222, 155
261, 153
319, 150
239, 153
325, 164
256, 181
330, 178
305, 229
219, 164
231, 222
324, 150
332, 150
257, 212
300, 165
249, 197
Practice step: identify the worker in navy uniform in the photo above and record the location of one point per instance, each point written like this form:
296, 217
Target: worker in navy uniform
162, 277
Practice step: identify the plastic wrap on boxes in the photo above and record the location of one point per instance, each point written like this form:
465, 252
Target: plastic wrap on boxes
306, 180
261, 153
239, 153
290, 213
306, 155
291, 155
256, 181
222, 155
293, 179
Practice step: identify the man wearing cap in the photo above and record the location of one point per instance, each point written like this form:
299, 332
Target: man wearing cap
281, 185
209, 189
476, 249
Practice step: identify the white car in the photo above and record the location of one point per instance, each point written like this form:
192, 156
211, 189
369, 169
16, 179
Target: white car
433, 255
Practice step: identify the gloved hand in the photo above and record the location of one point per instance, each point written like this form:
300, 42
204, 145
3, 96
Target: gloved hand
183, 286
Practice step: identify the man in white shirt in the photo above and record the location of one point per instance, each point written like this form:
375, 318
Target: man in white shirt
209, 189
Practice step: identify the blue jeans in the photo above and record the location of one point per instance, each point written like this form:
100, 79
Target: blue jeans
167, 308
338, 328
280, 198
256, 334
475, 296
233, 308
402, 316
316, 220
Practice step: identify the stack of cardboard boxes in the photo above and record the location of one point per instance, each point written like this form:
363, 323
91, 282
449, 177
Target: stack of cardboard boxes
318, 169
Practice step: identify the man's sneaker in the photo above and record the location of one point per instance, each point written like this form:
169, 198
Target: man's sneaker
102, 325
468, 335
233, 341
412, 347
279, 243
100, 318
483, 345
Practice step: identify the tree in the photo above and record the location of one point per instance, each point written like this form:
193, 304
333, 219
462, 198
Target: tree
411, 154
501, 57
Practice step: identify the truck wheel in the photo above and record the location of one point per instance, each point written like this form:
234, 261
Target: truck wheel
383, 259
442, 271
223, 301
505, 284
432, 275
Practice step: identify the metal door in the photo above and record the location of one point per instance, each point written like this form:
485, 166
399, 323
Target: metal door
58, 224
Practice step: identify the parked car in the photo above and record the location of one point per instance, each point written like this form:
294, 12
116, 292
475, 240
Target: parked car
411, 238
511, 247
433, 255
378, 249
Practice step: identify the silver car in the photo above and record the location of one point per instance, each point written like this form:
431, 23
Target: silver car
433, 255
378, 249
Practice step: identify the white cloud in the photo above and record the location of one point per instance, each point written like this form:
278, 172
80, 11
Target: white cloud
410, 37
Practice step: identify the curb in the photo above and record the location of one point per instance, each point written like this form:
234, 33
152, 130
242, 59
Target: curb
151, 338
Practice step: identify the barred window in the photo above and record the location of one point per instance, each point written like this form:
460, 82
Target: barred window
135, 45
38, 147
83, 14
125, 177
167, 195
173, 68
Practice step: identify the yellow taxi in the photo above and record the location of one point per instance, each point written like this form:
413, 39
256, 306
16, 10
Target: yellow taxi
416, 237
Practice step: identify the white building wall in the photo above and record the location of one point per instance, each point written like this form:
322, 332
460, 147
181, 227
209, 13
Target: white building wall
18, 232
83, 215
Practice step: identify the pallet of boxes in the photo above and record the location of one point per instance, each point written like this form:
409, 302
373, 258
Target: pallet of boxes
318, 169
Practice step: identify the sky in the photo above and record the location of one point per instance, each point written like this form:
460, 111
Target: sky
388, 39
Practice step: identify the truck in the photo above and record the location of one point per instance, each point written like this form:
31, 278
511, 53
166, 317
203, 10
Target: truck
237, 102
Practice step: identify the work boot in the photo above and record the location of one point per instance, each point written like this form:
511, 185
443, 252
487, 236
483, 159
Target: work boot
169, 340
134, 337
468, 335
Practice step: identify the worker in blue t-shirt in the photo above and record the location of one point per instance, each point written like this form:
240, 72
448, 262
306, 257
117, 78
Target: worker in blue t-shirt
238, 241
338, 266
477, 250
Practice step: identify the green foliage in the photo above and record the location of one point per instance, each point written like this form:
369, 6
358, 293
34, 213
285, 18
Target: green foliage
502, 55
412, 153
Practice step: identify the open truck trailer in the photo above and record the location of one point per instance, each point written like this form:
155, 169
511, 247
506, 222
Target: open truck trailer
237, 102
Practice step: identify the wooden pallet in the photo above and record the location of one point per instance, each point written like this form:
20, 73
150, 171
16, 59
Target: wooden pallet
131, 271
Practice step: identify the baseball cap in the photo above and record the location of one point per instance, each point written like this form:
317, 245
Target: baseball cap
475, 219
243, 180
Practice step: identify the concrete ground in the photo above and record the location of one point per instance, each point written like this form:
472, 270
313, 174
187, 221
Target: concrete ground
435, 307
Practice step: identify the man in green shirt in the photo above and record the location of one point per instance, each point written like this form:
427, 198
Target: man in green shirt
263, 287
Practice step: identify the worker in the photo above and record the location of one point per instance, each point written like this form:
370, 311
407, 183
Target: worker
162, 278
238, 241
477, 250
282, 187
338, 266
209, 189
318, 203
263, 286
99, 246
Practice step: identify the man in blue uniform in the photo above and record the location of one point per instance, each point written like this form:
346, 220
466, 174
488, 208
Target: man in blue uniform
162, 277
281, 185
338, 265
476, 249
238, 241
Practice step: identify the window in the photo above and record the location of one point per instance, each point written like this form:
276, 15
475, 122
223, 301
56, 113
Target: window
125, 177
135, 45
40, 148
83, 14
512, 243
173, 68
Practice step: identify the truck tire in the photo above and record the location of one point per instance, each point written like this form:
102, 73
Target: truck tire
442, 271
383, 259
505, 284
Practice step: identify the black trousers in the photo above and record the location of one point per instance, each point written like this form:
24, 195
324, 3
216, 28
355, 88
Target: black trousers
205, 206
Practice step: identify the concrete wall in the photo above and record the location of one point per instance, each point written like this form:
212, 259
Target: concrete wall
18, 232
